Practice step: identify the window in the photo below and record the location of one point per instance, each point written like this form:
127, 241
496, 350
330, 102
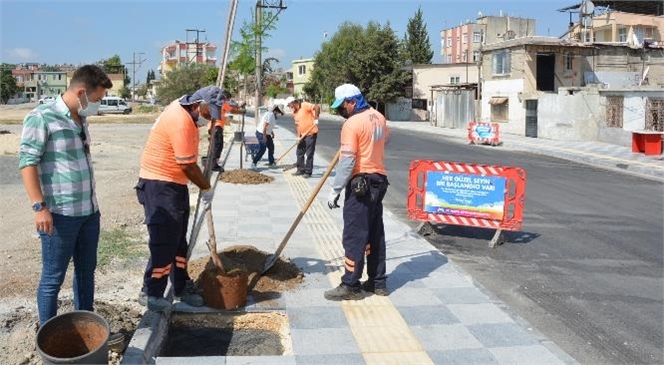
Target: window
464, 57
499, 109
458, 39
449, 41
419, 104
465, 38
655, 115
614, 111
622, 35
477, 37
455, 79
569, 61
302, 70
501, 62
476, 56
60, 77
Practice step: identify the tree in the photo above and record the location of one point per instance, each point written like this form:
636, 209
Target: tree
8, 86
416, 41
184, 80
113, 65
370, 58
151, 76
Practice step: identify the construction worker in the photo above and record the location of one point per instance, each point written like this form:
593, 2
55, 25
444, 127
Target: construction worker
306, 121
361, 171
216, 130
265, 137
56, 167
168, 164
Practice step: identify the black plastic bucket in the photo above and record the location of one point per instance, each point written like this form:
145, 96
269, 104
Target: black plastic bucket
78, 337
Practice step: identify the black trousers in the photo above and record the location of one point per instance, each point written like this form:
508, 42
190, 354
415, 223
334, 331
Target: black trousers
166, 207
364, 233
218, 144
307, 146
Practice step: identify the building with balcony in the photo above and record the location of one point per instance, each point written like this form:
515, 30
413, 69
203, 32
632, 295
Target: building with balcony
301, 70
178, 53
463, 44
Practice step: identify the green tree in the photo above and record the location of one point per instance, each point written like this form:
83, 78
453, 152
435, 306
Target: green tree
113, 65
8, 86
184, 80
150, 76
370, 58
416, 41
124, 92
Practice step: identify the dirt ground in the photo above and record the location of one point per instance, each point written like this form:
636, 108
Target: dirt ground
117, 142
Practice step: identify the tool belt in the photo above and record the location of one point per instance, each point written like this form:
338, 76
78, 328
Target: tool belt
362, 185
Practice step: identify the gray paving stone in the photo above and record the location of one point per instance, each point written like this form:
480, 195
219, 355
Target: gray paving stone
345, 359
414, 297
446, 279
536, 354
460, 295
479, 313
323, 341
263, 360
502, 335
445, 337
308, 297
424, 315
316, 317
401, 279
463, 357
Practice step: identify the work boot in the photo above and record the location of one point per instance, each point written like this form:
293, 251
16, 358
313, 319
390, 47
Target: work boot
306, 175
218, 168
344, 292
189, 295
272, 165
370, 287
253, 166
298, 173
158, 304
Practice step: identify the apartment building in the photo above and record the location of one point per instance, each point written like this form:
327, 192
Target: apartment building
301, 70
178, 53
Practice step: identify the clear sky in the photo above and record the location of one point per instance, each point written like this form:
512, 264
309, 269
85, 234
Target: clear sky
86, 31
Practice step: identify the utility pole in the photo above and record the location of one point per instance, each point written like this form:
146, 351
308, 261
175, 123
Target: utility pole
260, 28
133, 72
197, 53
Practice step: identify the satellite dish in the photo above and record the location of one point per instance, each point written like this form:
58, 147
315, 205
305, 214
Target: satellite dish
479, 14
587, 8
587, 22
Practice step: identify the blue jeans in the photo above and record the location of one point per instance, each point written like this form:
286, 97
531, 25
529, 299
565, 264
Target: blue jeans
73, 237
262, 146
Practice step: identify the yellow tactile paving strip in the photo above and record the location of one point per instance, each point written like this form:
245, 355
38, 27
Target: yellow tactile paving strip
379, 329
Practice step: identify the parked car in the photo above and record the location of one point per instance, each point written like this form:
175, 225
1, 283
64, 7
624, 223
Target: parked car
113, 105
46, 99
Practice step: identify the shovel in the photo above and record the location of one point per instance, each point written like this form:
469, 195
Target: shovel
273, 258
297, 141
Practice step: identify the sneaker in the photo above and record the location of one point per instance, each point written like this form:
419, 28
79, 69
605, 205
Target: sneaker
306, 175
253, 166
272, 165
344, 292
218, 168
158, 304
298, 173
370, 287
191, 299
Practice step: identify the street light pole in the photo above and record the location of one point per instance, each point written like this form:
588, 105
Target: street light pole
134, 69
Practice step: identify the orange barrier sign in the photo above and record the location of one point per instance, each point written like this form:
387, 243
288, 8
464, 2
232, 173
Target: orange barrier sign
484, 133
464, 194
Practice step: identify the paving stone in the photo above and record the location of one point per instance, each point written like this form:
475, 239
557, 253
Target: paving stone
316, 317
346, 359
337, 341
479, 313
460, 295
536, 354
414, 297
463, 357
445, 337
427, 315
502, 335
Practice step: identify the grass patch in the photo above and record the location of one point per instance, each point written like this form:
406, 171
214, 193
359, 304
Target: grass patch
147, 109
117, 245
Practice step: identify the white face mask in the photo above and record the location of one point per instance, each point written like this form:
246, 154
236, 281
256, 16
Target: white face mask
89, 110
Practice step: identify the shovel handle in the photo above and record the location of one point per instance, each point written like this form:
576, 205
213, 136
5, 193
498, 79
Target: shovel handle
272, 259
297, 141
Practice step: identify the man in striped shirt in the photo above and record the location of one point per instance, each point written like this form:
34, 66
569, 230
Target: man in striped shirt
54, 159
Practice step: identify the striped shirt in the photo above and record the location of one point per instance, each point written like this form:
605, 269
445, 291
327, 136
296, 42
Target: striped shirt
60, 148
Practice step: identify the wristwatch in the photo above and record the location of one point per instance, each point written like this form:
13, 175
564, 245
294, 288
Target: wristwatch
38, 206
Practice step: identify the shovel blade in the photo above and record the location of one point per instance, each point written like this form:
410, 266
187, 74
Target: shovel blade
269, 262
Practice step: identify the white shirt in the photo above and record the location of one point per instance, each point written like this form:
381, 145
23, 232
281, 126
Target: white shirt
269, 120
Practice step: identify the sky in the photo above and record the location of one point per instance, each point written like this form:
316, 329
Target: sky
86, 31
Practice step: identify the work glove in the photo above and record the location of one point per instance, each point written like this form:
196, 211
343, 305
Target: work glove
206, 197
333, 199
316, 121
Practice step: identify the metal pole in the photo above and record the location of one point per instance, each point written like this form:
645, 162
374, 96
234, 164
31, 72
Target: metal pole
259, 33
133, 77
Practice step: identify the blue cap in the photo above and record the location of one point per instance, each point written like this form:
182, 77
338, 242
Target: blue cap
212, 95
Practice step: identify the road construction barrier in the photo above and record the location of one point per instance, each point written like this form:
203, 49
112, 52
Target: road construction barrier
484, 133
463, 194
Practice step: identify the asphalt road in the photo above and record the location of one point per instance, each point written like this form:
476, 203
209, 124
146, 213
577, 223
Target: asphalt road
587, 268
